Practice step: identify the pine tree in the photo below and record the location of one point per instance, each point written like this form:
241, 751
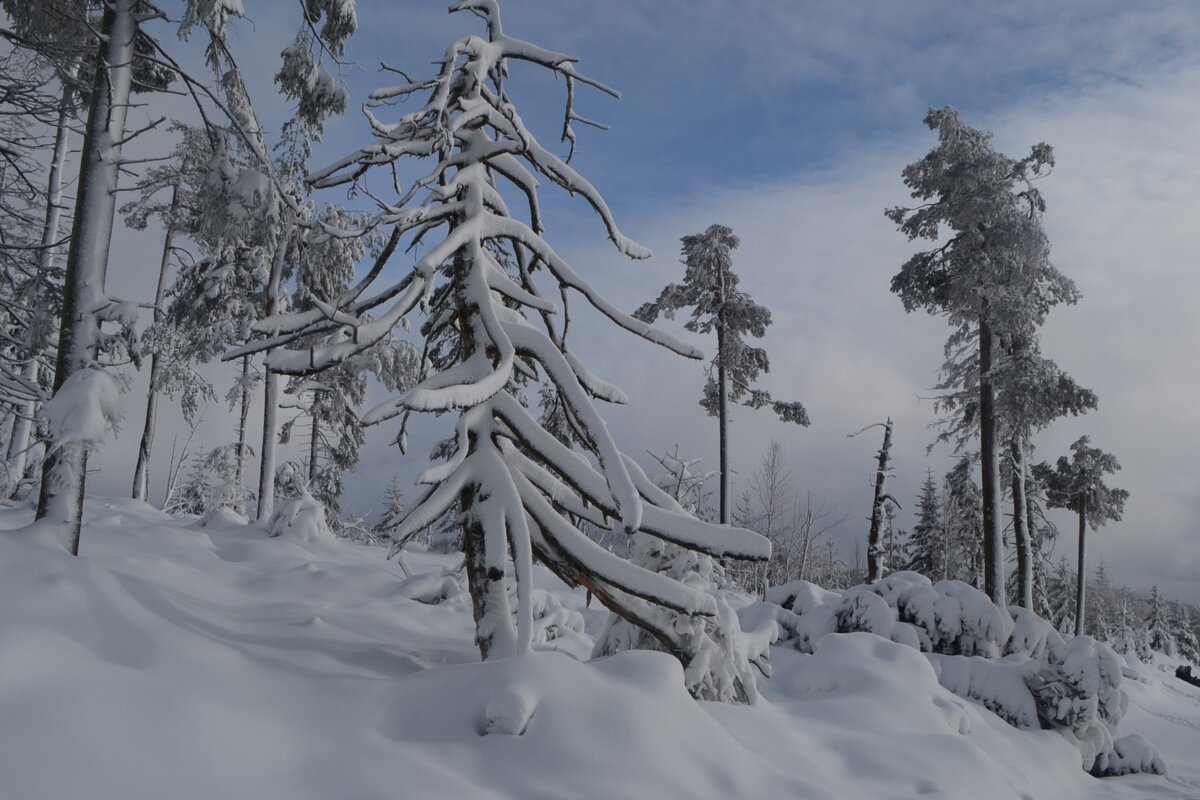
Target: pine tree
519, 488
992, 280
710, 289
1078, 485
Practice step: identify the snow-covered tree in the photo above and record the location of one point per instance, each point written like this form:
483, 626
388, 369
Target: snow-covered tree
877, 563
1031, 393
1078, 484
710, 290
1060, 597
519, 488
1158, 626
927, 544
991, 278
1187, 645
962, 518
174, 193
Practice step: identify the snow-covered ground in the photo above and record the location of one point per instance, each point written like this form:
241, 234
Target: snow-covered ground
177, 661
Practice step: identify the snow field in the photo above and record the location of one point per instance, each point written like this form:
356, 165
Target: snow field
171, 660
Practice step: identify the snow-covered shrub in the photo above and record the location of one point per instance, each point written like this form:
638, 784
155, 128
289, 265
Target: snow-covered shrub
298, 515
433, 588
1008, 660
552, 620
717, 655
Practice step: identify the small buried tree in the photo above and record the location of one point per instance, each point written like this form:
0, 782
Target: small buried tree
520, 489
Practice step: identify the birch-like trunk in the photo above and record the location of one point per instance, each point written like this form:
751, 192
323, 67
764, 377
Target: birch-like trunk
18, 444
270, 432
1021, 529
1081, 577
993, 545
65, 468
141, 471
875, 559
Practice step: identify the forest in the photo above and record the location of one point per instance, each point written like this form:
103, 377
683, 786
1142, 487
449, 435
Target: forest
355, 443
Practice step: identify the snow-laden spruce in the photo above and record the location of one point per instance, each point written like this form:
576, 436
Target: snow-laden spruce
482, 282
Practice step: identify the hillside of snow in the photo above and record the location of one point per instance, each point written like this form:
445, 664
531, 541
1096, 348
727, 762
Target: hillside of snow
179, 660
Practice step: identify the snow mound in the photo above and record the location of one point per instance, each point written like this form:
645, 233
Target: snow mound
232, 665
1010, 662
300, 518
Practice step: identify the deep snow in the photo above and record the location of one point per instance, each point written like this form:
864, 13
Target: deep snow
174, 660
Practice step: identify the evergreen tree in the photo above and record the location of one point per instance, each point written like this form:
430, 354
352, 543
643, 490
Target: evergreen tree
962, 519
1158, 627
1078, 485
927, 544
710, 289
1187, 644
992, 280
1060, 588
519, 488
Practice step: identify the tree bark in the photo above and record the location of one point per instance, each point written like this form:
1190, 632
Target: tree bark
314, 453
266, 464
141, 471
18, 444
244, 413
1021, 530
993, 545
723, 400
1081, 577
875, 558
65, 469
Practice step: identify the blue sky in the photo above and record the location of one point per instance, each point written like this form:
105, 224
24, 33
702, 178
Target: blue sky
790, 121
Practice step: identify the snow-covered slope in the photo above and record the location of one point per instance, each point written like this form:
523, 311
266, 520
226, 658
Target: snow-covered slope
172, 660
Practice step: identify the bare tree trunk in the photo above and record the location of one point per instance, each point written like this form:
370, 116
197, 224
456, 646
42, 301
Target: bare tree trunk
993, 545
244, 413
1081, 578
1021, 527
65, 469
314, 452
18, 444
141, 472
266, 464
875, 558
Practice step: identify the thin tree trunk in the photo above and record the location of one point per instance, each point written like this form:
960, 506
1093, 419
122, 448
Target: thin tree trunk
65, 468
244, 413
141, 472
18, 445
875, 558
993, 545
723, 400
266, 464
1081, 578
313, 449
1021, 528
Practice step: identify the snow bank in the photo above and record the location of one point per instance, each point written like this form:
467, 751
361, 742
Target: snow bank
1011, 662
169, 661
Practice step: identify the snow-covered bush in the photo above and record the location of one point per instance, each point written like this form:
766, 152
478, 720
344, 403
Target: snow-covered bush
298, 515
722, 654
1008, 660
